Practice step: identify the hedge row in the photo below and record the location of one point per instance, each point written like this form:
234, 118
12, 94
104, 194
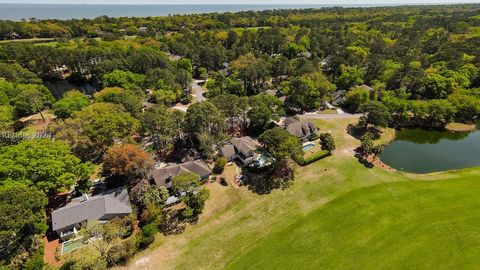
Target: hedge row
315, 157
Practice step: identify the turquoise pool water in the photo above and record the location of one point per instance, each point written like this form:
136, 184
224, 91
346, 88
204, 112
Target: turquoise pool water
72, 245
308, 146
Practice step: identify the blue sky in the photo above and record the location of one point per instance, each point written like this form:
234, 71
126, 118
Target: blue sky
331, 2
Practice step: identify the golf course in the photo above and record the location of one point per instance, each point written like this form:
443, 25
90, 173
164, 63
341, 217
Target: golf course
338, 214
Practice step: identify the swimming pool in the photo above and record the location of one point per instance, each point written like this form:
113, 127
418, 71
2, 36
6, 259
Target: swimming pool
308, 146
72, 245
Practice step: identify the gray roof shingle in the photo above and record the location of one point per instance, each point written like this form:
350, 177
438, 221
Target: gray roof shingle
302, 128
161, 176
110, 203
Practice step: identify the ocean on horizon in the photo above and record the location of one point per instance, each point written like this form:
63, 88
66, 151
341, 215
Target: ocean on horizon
17, 12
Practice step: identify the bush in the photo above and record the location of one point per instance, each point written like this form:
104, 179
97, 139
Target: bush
36, 261
219, 165
147, 235
315, 157
328, 143
121, 253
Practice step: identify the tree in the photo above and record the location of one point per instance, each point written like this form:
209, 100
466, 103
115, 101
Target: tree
374, 113
163, 126
31, 98
6, 118
71, 102
366, 144
219, 165
251, 70
96, 127
124, 79
128, 161
17, 74
86, 259
328, 143
350, 76
185, 182
263, 109
466, 106
147, 235
119, 254
260, 116
47, 165
307, 92
117, 95
281, 144
356, 97
196, 200
105, 236
377, 150
155, 196
204, 117
152, 214
440, 112
22, 217
234, 108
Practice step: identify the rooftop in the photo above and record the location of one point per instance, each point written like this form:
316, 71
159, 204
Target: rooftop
163, 175
112, 202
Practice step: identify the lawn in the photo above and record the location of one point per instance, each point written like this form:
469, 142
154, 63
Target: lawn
407, 225
241, 229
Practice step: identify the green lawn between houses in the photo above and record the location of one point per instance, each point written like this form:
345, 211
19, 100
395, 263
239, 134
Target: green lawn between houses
337, 215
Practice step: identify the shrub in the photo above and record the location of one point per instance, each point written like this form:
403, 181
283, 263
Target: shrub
328, 143
219, 165
147, 235
315, 157
36, 261
121, 253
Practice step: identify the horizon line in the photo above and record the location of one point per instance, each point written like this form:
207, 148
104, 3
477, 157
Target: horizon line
252, 4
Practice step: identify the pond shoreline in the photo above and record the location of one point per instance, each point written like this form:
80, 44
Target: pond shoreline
426, 151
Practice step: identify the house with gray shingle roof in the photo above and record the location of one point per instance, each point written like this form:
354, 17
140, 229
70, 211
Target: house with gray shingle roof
163, 176
305, 130
242, 149
66, 221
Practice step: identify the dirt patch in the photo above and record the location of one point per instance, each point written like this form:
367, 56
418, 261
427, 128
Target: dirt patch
51, 250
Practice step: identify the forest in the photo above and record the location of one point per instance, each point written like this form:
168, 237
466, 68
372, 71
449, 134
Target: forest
408, 66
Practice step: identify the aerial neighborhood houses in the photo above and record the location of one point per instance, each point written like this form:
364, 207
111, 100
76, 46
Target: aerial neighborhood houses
66, 221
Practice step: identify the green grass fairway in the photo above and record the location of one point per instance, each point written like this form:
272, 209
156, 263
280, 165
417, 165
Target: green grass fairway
407, 225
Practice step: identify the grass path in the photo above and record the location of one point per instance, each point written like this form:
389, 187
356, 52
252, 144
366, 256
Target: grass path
238, 225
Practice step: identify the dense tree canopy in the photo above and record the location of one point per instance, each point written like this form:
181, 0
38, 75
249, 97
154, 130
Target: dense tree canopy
22, 217
71, 102
127, 160
92, 130
281, 144
42, 163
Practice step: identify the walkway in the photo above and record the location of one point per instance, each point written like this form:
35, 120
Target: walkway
197, 91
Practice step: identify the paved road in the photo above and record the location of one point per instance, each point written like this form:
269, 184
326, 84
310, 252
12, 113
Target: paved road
197, 92
329, 116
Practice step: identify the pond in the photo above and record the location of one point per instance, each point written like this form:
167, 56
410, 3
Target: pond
59, 87
425, 151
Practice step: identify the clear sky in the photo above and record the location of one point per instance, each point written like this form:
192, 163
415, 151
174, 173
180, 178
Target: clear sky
239, 2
